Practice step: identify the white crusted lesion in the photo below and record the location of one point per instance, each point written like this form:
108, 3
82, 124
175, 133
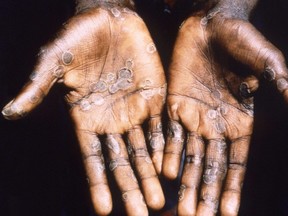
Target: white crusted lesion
96, 145
157, 141
129, 63
33, 76
116, 12
113, 144
67, 57
211, 202
100, 86
217, 116
113, 82
204, 21
181, 192
111, 78
85, 105
148, 92
58, 72
282, 84
151, 48
175, 131
97, 99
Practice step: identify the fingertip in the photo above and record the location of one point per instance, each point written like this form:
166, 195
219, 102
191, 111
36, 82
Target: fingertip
156, 202
24, 103
101, 199
158, 168
169, 173
187, 204
230, 203
134, 203
153, 193
7, 113
157, 159
170, 167
12, 111
205, 210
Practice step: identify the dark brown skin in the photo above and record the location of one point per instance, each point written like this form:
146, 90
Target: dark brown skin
210, 104
106, 58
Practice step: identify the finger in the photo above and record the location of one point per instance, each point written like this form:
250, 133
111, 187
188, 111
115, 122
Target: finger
30, 96
145, 170
95, 169
54, 61
247, 45
157, 142
248, 87
243, 87
120, 166
230, 201
173, 150
49, 69
214, 173
191, 176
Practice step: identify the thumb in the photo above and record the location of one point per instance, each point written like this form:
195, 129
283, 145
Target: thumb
48, 71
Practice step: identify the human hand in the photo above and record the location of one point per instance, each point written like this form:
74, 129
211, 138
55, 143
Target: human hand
108, 61
210, 104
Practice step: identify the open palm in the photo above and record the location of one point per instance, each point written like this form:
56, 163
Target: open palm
210, 105
109, 63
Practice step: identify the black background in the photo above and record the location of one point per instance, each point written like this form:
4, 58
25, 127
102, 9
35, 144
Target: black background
40, 167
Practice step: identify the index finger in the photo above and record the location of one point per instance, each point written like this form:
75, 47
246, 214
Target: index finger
93, 161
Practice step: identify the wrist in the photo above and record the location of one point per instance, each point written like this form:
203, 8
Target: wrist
82, 5
239, 9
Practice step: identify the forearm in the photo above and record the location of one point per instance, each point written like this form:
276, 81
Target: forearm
82, 5
240, 9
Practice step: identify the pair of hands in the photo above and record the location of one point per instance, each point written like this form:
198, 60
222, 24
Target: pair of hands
108, 61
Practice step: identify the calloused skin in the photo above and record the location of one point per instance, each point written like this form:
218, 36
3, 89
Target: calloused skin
217, 60
107, 60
